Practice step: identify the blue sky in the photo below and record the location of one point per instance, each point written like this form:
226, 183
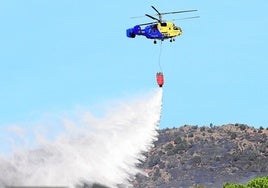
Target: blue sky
60, 55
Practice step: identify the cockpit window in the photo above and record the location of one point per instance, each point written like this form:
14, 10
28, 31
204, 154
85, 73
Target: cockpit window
163, 24
175, 27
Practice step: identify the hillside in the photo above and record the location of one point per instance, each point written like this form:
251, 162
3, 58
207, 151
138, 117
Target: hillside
205, 156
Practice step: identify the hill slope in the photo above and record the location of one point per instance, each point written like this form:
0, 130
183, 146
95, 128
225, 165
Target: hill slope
209, 156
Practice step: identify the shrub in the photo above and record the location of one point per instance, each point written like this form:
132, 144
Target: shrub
196, 159
202, 129
261, 182
252, 156
195, 127
156, 174
191, 135
177, 140
169, 147
183, 146
233, 135
242, 127
259, 131
154, 161
211, 125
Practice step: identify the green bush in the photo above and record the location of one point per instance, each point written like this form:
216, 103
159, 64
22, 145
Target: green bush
261, 182
258, 183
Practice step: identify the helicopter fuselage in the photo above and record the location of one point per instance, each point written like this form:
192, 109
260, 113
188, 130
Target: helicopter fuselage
158, 31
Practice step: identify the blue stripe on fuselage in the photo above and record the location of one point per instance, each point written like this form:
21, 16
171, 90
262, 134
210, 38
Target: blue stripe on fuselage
151, 32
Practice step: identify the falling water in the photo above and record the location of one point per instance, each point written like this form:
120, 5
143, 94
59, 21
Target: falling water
102, 150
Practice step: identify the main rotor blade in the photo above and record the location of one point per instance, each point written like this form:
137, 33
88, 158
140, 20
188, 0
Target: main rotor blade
156, 10
177, 12
152, 17
159, 14
148, 23
186, 18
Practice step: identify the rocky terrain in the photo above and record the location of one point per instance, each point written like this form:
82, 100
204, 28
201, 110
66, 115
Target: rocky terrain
207, 156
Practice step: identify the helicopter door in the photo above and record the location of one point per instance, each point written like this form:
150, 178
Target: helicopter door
154, 29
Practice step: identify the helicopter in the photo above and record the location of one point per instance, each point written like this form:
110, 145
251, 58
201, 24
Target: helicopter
159, 29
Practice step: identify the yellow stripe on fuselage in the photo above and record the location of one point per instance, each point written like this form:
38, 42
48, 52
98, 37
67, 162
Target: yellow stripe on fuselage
169, 29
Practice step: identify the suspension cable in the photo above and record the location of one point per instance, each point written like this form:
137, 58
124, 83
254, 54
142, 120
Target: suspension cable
159, 57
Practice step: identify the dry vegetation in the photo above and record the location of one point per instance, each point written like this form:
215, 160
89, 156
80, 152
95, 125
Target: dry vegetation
206, 156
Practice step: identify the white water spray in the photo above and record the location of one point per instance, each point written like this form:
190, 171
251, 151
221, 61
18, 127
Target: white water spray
104, 150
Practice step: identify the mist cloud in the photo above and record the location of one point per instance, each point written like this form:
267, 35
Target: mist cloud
102, 150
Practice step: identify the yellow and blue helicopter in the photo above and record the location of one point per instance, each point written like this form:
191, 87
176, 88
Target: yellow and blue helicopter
159, 29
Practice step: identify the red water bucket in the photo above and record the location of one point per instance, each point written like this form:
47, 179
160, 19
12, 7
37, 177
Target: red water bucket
160, 79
